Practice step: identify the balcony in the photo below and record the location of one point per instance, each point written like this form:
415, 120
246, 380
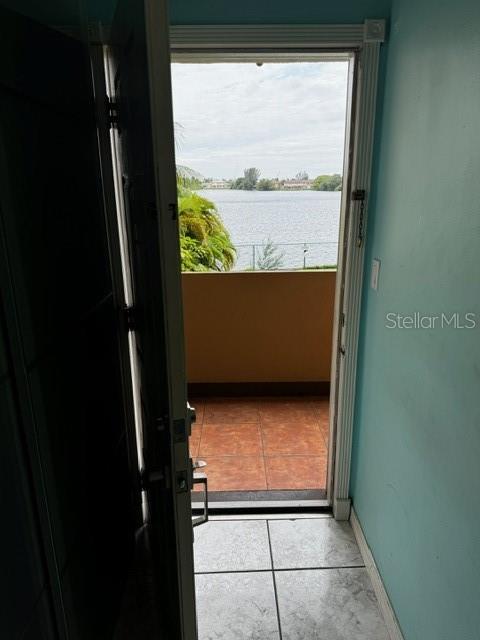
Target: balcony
258, 351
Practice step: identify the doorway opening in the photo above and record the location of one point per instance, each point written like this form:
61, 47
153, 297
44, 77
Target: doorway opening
261, 165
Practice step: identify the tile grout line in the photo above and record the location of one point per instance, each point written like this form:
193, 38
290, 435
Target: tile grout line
273, 455
200, 439
323, 439
274, 582
281, 570
273, 518
263, 449
259, 427
201, 428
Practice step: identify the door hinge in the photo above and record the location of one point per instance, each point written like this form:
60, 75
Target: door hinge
359, 195
112, 110
129, 318
173, 208
180, 430
182, 427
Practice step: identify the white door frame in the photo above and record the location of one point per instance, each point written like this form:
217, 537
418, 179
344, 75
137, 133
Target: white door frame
360, 44
157, 38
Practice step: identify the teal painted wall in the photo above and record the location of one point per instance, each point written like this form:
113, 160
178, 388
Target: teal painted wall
259, 11
276, 11
54, 12
416, 455
212, 11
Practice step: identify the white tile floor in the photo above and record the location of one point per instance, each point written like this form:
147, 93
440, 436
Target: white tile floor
296, 579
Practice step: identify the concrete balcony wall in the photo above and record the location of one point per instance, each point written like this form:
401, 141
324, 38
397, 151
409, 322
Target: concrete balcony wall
264, 326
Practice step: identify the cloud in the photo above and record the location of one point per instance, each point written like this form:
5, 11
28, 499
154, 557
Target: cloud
281, 118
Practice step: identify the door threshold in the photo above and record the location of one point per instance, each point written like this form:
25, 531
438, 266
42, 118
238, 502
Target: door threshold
297, 515
270, 495
271, 501
265, 506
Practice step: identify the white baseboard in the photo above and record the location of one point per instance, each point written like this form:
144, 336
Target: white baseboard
383, 600
341, 509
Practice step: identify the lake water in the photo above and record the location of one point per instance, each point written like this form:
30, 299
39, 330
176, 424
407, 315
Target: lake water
303, 224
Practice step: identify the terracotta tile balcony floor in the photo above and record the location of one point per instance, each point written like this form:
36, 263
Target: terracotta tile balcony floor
262, 444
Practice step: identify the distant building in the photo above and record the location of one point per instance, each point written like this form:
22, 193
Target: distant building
297, 185
217, 184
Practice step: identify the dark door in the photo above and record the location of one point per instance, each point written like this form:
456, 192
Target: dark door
138, 79
67, 517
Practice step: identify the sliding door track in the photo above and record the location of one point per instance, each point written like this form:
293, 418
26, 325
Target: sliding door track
253, 502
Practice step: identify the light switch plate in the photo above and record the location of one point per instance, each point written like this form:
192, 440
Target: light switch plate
374, 274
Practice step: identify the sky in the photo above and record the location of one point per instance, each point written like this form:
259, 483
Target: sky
282, 118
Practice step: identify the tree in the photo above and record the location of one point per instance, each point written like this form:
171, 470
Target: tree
249, 180
270, 258
188, 178
265, 185
328, 183
205, 243
238, 183
251, 177
301, 175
